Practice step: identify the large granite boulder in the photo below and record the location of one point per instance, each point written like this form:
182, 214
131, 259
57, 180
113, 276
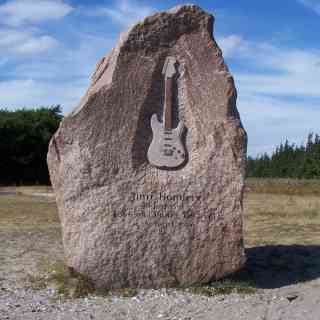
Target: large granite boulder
126, 223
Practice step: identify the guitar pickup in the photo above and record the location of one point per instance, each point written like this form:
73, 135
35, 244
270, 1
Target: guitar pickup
168, 152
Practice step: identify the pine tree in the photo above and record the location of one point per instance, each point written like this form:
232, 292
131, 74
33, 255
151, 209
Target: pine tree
289, 161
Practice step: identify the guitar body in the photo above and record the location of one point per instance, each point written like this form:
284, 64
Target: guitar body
166, 149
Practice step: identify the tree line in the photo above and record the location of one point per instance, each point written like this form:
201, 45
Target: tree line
288, 161
25, 135
24, 139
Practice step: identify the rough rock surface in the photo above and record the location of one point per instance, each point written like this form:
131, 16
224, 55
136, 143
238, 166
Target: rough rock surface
124, 222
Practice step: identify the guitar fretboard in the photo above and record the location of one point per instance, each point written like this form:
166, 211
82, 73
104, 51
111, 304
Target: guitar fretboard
167, 116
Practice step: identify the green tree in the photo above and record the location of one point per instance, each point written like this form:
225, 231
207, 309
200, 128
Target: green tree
289, 161
24, 139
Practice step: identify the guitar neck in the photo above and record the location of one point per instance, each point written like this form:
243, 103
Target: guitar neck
167, 116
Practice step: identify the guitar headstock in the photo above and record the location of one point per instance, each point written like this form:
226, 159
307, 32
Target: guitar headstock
169, 67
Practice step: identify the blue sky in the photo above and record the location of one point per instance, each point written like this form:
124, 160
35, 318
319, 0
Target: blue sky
49, 49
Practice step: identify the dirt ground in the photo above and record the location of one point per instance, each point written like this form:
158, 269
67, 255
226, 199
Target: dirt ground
282, 237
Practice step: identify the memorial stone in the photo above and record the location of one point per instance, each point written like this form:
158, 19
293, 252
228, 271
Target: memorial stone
148, 169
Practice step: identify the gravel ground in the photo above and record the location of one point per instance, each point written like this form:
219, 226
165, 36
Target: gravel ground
289, 303
275, 299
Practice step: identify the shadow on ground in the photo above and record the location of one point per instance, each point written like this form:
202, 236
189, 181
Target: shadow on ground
275, 266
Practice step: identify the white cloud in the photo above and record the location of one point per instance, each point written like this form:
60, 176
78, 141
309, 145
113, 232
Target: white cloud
32, 93
270, 121
25, 42
10, 37
290, 60
124, 12
67, 63
312, 4
36, 45
278, 91
19, 12
283, 85
281, 71
61, 77
232, 45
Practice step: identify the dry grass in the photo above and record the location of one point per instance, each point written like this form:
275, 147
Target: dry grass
271, 219
27, 190
26, 213
223, 287
69, 284
57, 275
283, 186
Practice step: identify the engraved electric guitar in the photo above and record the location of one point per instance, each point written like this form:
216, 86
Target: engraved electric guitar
166, 149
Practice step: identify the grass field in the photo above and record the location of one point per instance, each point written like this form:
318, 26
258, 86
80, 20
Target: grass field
283, 186
282, 211
276, 212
